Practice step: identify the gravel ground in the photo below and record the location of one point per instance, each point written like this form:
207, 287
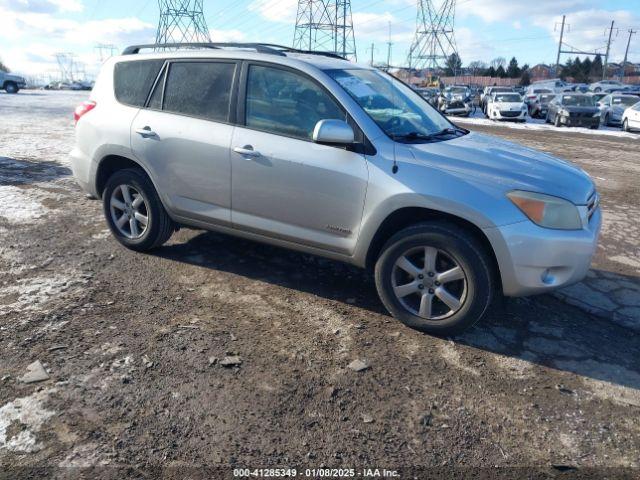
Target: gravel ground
222, 353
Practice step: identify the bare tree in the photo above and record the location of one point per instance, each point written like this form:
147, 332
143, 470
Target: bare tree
476, 67
498, 62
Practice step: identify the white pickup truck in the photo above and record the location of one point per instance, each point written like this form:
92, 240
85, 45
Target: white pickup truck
11, 83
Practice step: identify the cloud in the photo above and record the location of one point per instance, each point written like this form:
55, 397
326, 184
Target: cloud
227, 35
282, 11
41, 6
376, 26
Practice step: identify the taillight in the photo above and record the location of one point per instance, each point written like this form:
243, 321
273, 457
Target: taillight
82, 109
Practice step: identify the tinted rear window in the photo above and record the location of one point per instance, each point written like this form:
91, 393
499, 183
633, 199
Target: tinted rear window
133, 80
200, 89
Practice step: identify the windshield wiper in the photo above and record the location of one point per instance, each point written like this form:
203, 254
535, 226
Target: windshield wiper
430, 136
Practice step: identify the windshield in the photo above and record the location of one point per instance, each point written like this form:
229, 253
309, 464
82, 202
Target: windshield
542, 90
395, 108
547, 98
578, 101
508, 98
457, 90
626, 101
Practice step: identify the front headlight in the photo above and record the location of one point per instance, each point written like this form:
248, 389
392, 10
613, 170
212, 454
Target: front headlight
597, 114
547, 211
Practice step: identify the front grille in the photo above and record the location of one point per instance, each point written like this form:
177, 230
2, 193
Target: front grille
580, 115
457, 104
592, 205
510, 114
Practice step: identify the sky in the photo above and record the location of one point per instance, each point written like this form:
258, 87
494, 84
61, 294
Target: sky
33, 31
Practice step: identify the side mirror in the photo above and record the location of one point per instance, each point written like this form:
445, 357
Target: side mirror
333, 132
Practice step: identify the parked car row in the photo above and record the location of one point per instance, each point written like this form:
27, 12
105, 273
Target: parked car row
556, 102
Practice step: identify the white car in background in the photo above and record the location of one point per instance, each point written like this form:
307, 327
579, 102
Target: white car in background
507, 106
631, 118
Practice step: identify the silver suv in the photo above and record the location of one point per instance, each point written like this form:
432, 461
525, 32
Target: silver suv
314, 153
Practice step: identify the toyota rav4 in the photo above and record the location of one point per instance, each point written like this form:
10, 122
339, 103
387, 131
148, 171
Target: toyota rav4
312, 152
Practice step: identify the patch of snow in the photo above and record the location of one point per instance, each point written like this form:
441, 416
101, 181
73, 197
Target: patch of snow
31, 294
540, 125
25, 204
30, 413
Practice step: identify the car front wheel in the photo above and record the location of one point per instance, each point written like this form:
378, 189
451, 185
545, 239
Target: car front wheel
11, 88
435, 277
556, 121
625, 125
134, 212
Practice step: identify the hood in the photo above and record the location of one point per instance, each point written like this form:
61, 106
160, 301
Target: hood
513, 105
507, 165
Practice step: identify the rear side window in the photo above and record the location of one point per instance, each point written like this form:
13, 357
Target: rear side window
200, 89
133, 80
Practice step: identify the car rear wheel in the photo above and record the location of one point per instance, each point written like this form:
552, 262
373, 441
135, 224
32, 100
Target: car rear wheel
435, 277
556, 121
134, 212
606, 120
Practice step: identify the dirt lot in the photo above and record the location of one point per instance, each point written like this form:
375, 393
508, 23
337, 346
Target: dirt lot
134, 344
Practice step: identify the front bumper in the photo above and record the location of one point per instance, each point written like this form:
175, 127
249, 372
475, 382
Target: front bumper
508, 115
535, 260
580, 121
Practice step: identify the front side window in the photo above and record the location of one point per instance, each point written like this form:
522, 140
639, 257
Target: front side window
395, 108
625, 101
200, 89
286, 103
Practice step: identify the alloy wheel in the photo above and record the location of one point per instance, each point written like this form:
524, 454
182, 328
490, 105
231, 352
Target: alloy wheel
129, 211
429, 283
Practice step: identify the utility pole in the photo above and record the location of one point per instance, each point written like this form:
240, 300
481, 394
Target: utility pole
325, 26
626, 54
564, 17
606, 57
182, 22
434, 40
373, 50
389, 46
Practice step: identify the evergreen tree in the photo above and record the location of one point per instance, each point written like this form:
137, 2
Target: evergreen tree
3, 67
596, 68
525, 80
513, 70
500, 72
454, 64
491, 72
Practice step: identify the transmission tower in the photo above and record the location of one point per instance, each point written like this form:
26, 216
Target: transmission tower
325, 26
182, 21
434, 41
66, 66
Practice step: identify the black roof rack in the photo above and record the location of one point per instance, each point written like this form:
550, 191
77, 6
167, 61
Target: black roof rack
269, 48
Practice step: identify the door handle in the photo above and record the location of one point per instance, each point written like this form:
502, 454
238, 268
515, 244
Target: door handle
146, 132
247, 151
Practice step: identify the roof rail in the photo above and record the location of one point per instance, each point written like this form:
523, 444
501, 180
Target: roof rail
258, 47
269, 48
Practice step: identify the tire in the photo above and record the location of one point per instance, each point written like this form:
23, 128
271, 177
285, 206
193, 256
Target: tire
625, 125
606, 120
454, 246
11, 87
556, 121
597, 90
159, 226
